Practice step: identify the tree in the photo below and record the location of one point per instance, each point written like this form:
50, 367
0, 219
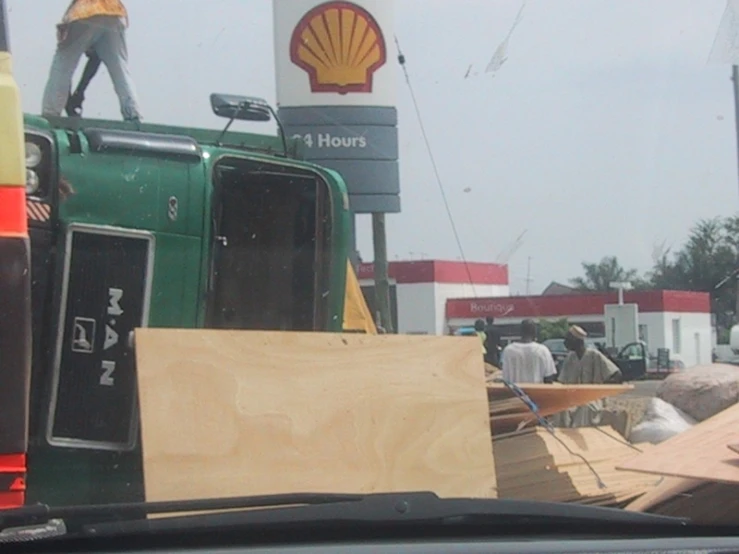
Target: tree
709, 256
597, 277
553, 329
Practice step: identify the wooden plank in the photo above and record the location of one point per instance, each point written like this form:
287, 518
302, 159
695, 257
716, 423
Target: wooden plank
734, 447
556, 395
668, 488
230, 413
698, 453
508, 412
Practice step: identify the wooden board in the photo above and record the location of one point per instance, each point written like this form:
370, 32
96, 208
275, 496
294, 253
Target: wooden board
734, 448
553, 397
508, 412
698, 453
667, 488
231, 413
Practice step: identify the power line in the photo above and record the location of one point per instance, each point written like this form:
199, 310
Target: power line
401, 60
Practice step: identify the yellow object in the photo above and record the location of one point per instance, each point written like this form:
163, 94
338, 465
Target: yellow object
483, 338
84, 9
12, 155
357, 317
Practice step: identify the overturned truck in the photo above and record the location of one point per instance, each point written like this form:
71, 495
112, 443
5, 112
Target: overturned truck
165, 227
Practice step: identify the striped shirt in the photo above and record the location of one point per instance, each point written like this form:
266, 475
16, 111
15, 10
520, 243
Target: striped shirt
84, 9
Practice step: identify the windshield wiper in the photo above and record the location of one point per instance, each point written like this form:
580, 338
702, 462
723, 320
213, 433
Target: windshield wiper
332, 510
40, 521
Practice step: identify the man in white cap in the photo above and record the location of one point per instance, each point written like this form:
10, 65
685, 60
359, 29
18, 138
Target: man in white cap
584, 366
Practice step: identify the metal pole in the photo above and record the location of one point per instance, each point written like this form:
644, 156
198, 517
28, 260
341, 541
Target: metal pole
382, 283
735, 80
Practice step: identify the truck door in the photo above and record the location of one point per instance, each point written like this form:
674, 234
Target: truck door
271, 248
632, 361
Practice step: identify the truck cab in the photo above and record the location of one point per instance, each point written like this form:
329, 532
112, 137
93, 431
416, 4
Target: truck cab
161, 226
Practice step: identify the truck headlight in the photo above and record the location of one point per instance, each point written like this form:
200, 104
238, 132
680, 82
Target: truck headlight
32, 181
33, 154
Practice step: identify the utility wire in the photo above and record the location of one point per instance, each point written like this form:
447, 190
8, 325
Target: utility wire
401, 61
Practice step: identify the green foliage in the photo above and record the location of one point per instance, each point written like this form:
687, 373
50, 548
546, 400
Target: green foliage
553, 329
597, 277
708, 257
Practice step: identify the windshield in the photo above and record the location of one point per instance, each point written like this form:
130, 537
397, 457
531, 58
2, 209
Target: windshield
277, 246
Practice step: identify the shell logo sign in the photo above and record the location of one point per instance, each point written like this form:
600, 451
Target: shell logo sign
340, 46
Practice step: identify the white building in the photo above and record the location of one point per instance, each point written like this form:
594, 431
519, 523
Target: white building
677, 320
419, 290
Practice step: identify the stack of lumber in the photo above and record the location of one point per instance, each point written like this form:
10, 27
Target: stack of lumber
509, 413
237, 413
571, 465
702, 472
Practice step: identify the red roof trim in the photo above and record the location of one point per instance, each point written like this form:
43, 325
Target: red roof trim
577, 304
440, 271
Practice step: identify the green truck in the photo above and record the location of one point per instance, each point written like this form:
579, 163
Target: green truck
165, 227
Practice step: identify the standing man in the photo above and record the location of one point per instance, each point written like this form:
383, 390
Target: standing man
97, 26
492, 343
584, 366
528, 361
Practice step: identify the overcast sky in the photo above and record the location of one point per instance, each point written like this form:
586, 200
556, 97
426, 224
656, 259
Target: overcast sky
604, 133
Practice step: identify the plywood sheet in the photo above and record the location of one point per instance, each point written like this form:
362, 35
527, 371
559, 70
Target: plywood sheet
666, 489
698, 453
704, 504
555, 396
230, 413
508, 412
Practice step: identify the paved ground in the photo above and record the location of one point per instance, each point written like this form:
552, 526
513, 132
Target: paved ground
642, 389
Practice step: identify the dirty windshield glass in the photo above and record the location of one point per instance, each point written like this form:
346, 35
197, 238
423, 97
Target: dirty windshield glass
480, 249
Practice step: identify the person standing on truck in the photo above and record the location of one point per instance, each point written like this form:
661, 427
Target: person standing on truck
584, 366
97, 26
527, 361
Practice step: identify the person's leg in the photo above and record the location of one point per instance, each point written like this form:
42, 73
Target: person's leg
112, 49
80, 36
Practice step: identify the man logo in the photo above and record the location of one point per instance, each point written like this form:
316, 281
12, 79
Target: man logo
340, 46
83, 335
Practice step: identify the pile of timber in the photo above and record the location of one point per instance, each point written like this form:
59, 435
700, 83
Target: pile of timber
569, 465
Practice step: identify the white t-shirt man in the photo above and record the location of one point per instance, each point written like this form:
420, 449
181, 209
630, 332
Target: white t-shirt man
527, 362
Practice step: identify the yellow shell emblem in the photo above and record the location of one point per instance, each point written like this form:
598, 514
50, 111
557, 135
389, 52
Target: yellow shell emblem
340, 46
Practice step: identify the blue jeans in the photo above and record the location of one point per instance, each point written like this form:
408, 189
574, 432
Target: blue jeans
106, 35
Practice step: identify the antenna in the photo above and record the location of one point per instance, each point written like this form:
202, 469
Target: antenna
504, 256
